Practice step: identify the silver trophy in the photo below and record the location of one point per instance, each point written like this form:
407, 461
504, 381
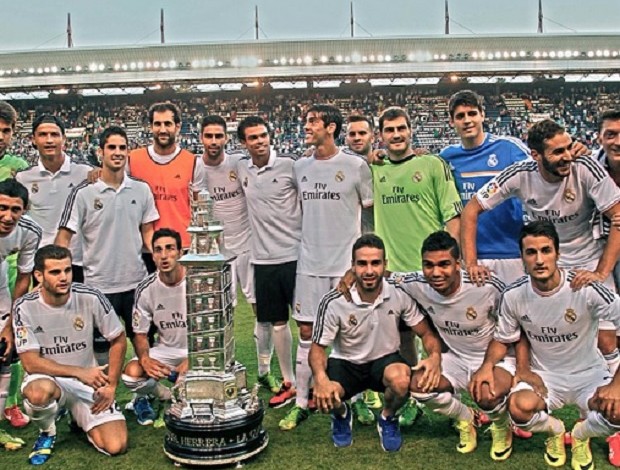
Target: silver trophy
215, 419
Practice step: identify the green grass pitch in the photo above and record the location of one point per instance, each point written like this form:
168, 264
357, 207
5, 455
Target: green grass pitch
428, 445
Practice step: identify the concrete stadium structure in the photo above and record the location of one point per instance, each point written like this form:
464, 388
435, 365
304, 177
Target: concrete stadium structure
400, 60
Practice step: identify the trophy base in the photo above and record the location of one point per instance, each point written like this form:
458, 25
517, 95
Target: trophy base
198, 443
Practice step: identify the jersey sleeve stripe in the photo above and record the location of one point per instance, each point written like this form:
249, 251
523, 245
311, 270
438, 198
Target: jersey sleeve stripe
317, 333
606, 294
514, 169
592, 166
83, 289
32, 226
66, 212
146, 282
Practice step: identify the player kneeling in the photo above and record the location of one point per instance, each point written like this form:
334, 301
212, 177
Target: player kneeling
566, 367
160, 303
365, 339
54, 330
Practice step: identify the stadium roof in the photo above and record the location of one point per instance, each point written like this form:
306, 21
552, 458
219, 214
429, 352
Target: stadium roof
306, 60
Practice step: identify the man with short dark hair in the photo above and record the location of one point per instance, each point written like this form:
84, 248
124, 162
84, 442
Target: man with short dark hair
561, 324
479, 157
269, 184
160, 303
169, 171
414, 196
9, 163
364, 335
334, 186
115, 218
54, 329
19, 235
566, 191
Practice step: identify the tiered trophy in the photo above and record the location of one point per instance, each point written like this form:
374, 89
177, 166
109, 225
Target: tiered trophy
214, 418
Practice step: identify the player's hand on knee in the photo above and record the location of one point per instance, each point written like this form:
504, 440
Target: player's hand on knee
431, 376
154, 369
327, 396
584, 278
104, 398
609, 401
532, 379
94, 376
483, 377
478, 274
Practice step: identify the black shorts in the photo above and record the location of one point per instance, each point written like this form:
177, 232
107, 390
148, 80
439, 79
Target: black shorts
355, 378
275, 290
123, 306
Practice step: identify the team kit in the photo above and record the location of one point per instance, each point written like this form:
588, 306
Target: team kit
490, 269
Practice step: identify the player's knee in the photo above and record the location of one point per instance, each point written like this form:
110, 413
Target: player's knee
116, 447
522, 406
399, 384
38, 395
488, 401
133, 369
305, 332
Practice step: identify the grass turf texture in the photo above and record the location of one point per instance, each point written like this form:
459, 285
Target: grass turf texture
429, 444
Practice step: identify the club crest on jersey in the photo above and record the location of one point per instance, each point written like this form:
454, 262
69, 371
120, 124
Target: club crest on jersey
98, 204
34, 189
135, 319
78, 323
417, 177
569, 195
245, 182
352, 320
232, 176
339, 177
570, 316
471, 313
492, 161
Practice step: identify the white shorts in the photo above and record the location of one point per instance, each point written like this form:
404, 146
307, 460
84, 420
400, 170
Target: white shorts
243, 272
309, 290
78, 399
458, 370
171, 357
508, 270
571, 389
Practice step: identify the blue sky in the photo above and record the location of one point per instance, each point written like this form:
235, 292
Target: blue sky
40, 24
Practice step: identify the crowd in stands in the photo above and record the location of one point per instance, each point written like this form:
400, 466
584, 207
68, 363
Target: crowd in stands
508, 113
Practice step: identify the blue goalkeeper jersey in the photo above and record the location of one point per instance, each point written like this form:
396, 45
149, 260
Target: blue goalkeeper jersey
498, 229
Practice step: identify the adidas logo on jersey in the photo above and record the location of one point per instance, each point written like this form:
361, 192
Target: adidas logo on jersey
38, 329
531, 202
383, 179
160, 307
275, 180
525, 318
304, 179
70, 185
133, 201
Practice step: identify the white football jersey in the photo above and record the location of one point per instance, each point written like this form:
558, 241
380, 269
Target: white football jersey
465, 320
224, 186
23, 240
163, 306
561, 325
570, 204
361, 332
332, 194
64, 334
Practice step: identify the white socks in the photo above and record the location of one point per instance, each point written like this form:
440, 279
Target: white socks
283, 344
304, 373
264, 346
